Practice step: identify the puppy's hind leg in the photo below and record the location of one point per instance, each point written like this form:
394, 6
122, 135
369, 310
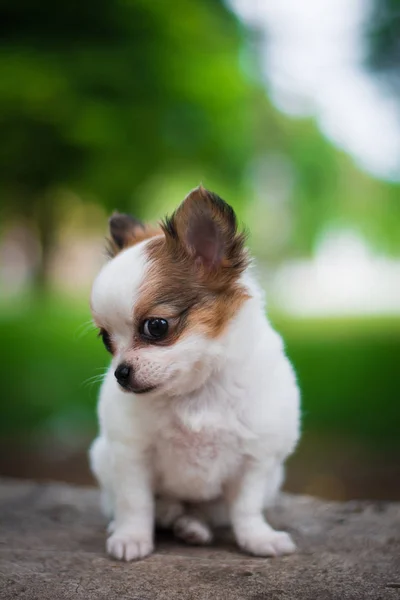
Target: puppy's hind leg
193, 528
168, 510
186, 522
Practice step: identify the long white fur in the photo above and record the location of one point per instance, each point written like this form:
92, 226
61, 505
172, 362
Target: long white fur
214, 435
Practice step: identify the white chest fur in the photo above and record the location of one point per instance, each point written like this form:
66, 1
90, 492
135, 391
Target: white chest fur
193, 464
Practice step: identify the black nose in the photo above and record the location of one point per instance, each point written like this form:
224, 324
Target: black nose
122, 373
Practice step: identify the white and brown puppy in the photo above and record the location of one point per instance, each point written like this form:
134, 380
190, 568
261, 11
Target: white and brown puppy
200, 406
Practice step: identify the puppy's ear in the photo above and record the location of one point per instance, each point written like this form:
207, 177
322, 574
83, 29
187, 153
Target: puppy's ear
125, 230
204, 227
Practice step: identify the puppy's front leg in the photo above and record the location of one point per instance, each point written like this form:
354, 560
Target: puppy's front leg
245, 496
132, 537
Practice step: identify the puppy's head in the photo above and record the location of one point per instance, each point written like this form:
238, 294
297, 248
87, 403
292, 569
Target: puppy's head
166, 297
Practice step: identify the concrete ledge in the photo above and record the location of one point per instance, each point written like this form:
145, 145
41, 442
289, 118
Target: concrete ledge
52, 547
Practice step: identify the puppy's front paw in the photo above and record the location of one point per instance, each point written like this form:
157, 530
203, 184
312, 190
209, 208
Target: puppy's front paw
128, 546
268, 543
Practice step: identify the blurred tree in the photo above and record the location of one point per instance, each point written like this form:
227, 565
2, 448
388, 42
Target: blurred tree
99, 95
383, 41
326, 189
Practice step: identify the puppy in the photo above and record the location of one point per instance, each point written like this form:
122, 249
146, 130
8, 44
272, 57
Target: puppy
200, 406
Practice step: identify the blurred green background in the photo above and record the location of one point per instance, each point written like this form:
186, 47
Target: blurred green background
128, 105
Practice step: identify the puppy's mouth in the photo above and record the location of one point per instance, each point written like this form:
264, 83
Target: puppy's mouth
138, 390
144, 390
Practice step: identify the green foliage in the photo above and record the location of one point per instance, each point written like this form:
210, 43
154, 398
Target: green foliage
49, 365
99, 95
347, 370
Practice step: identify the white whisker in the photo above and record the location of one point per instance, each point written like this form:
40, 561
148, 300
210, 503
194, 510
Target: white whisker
84, 329
91, 381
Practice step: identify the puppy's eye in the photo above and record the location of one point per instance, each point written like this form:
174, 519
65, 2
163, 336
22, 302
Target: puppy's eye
154, 329
105, 336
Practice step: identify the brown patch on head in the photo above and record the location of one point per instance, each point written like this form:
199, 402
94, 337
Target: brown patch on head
193, 278
127, 231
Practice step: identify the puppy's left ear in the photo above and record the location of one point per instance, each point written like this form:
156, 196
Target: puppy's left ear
204, 228
125, 231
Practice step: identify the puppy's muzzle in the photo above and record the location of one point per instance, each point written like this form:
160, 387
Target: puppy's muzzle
122, 374
125, 376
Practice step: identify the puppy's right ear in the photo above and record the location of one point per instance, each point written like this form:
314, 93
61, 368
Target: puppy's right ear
125, 231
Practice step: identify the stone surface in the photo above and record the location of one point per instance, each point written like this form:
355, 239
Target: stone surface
52, 541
